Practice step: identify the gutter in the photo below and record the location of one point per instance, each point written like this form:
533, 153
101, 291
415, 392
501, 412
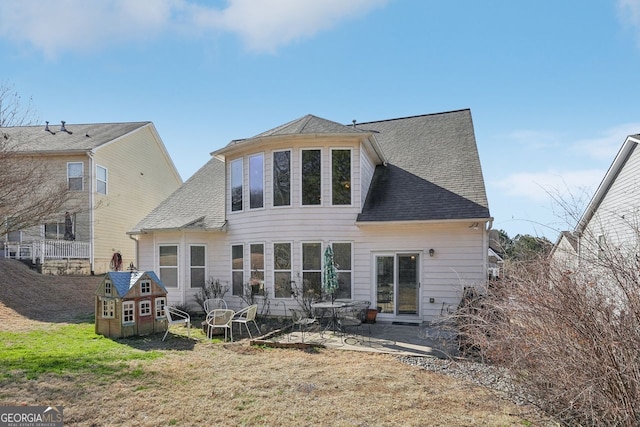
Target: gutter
425, 221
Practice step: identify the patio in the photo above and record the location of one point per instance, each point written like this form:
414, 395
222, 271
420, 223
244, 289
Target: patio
401, 339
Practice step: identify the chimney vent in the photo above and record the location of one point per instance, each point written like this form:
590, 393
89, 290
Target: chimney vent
62, 128
354, 122
46, 129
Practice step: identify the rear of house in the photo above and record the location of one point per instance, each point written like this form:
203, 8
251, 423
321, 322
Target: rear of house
402, 203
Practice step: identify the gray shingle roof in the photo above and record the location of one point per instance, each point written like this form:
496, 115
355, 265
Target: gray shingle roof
433, 170
198, 204
79, 137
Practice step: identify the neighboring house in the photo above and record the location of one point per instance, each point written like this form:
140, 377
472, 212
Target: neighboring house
611, 221
402, 202
117, 172
130, 303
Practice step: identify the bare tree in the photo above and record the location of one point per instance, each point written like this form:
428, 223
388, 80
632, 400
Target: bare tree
29, 195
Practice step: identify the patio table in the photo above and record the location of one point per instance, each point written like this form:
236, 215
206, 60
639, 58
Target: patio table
333, 306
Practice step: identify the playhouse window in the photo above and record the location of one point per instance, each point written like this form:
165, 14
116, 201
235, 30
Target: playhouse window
128, 312
145, 308
108, 309
107, 288
160, 303
145, 287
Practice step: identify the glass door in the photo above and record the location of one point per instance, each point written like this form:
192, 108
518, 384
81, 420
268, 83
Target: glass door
397, 284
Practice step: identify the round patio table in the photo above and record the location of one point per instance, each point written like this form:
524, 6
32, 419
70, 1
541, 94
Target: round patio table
331, 305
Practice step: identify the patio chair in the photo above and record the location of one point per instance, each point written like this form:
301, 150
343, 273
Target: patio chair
353, 316
212, 304
176, 317
301, 320
245, 316
220, 318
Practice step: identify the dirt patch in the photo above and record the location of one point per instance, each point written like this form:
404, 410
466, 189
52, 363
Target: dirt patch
198, 382
28, 298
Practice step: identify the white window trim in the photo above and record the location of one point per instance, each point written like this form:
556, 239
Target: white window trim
291, 178
322, 172
331, 175
108, 309
130, 305
160, 304
177, 266
244, 199
338, 270
81, 174
108, 286
142, 287
273, 267
205, 266
302, 270
106, 181
233, 270
147, 305
264, 164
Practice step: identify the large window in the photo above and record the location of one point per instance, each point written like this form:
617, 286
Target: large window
168, 256
101, 179
311, 269
256, 181
75, 172
257, 268
311, 177
236, 185
197, 256
282, 269
341, 177
342, 261
282, 178
237, 269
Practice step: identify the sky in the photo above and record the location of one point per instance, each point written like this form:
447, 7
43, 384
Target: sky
552, 85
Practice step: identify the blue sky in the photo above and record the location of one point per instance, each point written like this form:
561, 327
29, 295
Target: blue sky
552, 85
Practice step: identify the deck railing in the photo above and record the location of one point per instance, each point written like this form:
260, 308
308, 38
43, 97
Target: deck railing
48, 249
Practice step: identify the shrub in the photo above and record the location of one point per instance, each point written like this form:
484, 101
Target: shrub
570, 337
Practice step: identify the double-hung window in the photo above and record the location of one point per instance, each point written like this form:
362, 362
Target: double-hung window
168, 260
311, 269
342, 261
101, 180
237, 270
282, 270
54, 231
197, 257
257, 268
75, 173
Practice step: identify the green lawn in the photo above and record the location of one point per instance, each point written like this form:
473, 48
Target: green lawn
65, 349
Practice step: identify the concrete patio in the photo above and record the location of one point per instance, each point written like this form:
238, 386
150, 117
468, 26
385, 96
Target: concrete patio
402, 339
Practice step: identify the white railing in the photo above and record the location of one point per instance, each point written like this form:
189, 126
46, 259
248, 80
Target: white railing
48, 249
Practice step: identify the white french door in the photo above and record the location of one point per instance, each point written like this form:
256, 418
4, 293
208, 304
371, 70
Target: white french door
397, 284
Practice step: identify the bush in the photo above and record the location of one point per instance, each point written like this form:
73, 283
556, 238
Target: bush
572, 338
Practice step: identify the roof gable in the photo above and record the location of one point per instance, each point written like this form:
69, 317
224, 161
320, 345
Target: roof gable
124, 281
433, 170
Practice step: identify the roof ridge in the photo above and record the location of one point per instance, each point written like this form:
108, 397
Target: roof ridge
413, 117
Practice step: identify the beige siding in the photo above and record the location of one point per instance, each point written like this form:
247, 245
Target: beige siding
140, 176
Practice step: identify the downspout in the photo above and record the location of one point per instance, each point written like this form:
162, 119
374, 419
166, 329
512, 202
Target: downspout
91, 209
485, 245
137, 249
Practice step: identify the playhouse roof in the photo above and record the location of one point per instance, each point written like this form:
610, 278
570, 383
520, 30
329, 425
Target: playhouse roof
123, 281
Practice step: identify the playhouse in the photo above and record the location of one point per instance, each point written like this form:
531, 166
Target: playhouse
130, 303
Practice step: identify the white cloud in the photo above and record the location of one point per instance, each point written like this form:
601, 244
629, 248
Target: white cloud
542, 187
607, 144
265, 25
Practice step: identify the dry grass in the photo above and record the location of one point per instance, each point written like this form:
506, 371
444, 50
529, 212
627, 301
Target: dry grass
198, 382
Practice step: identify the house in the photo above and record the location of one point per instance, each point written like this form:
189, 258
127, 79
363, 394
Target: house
117, 172
130, 303
402, 202
612, 217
